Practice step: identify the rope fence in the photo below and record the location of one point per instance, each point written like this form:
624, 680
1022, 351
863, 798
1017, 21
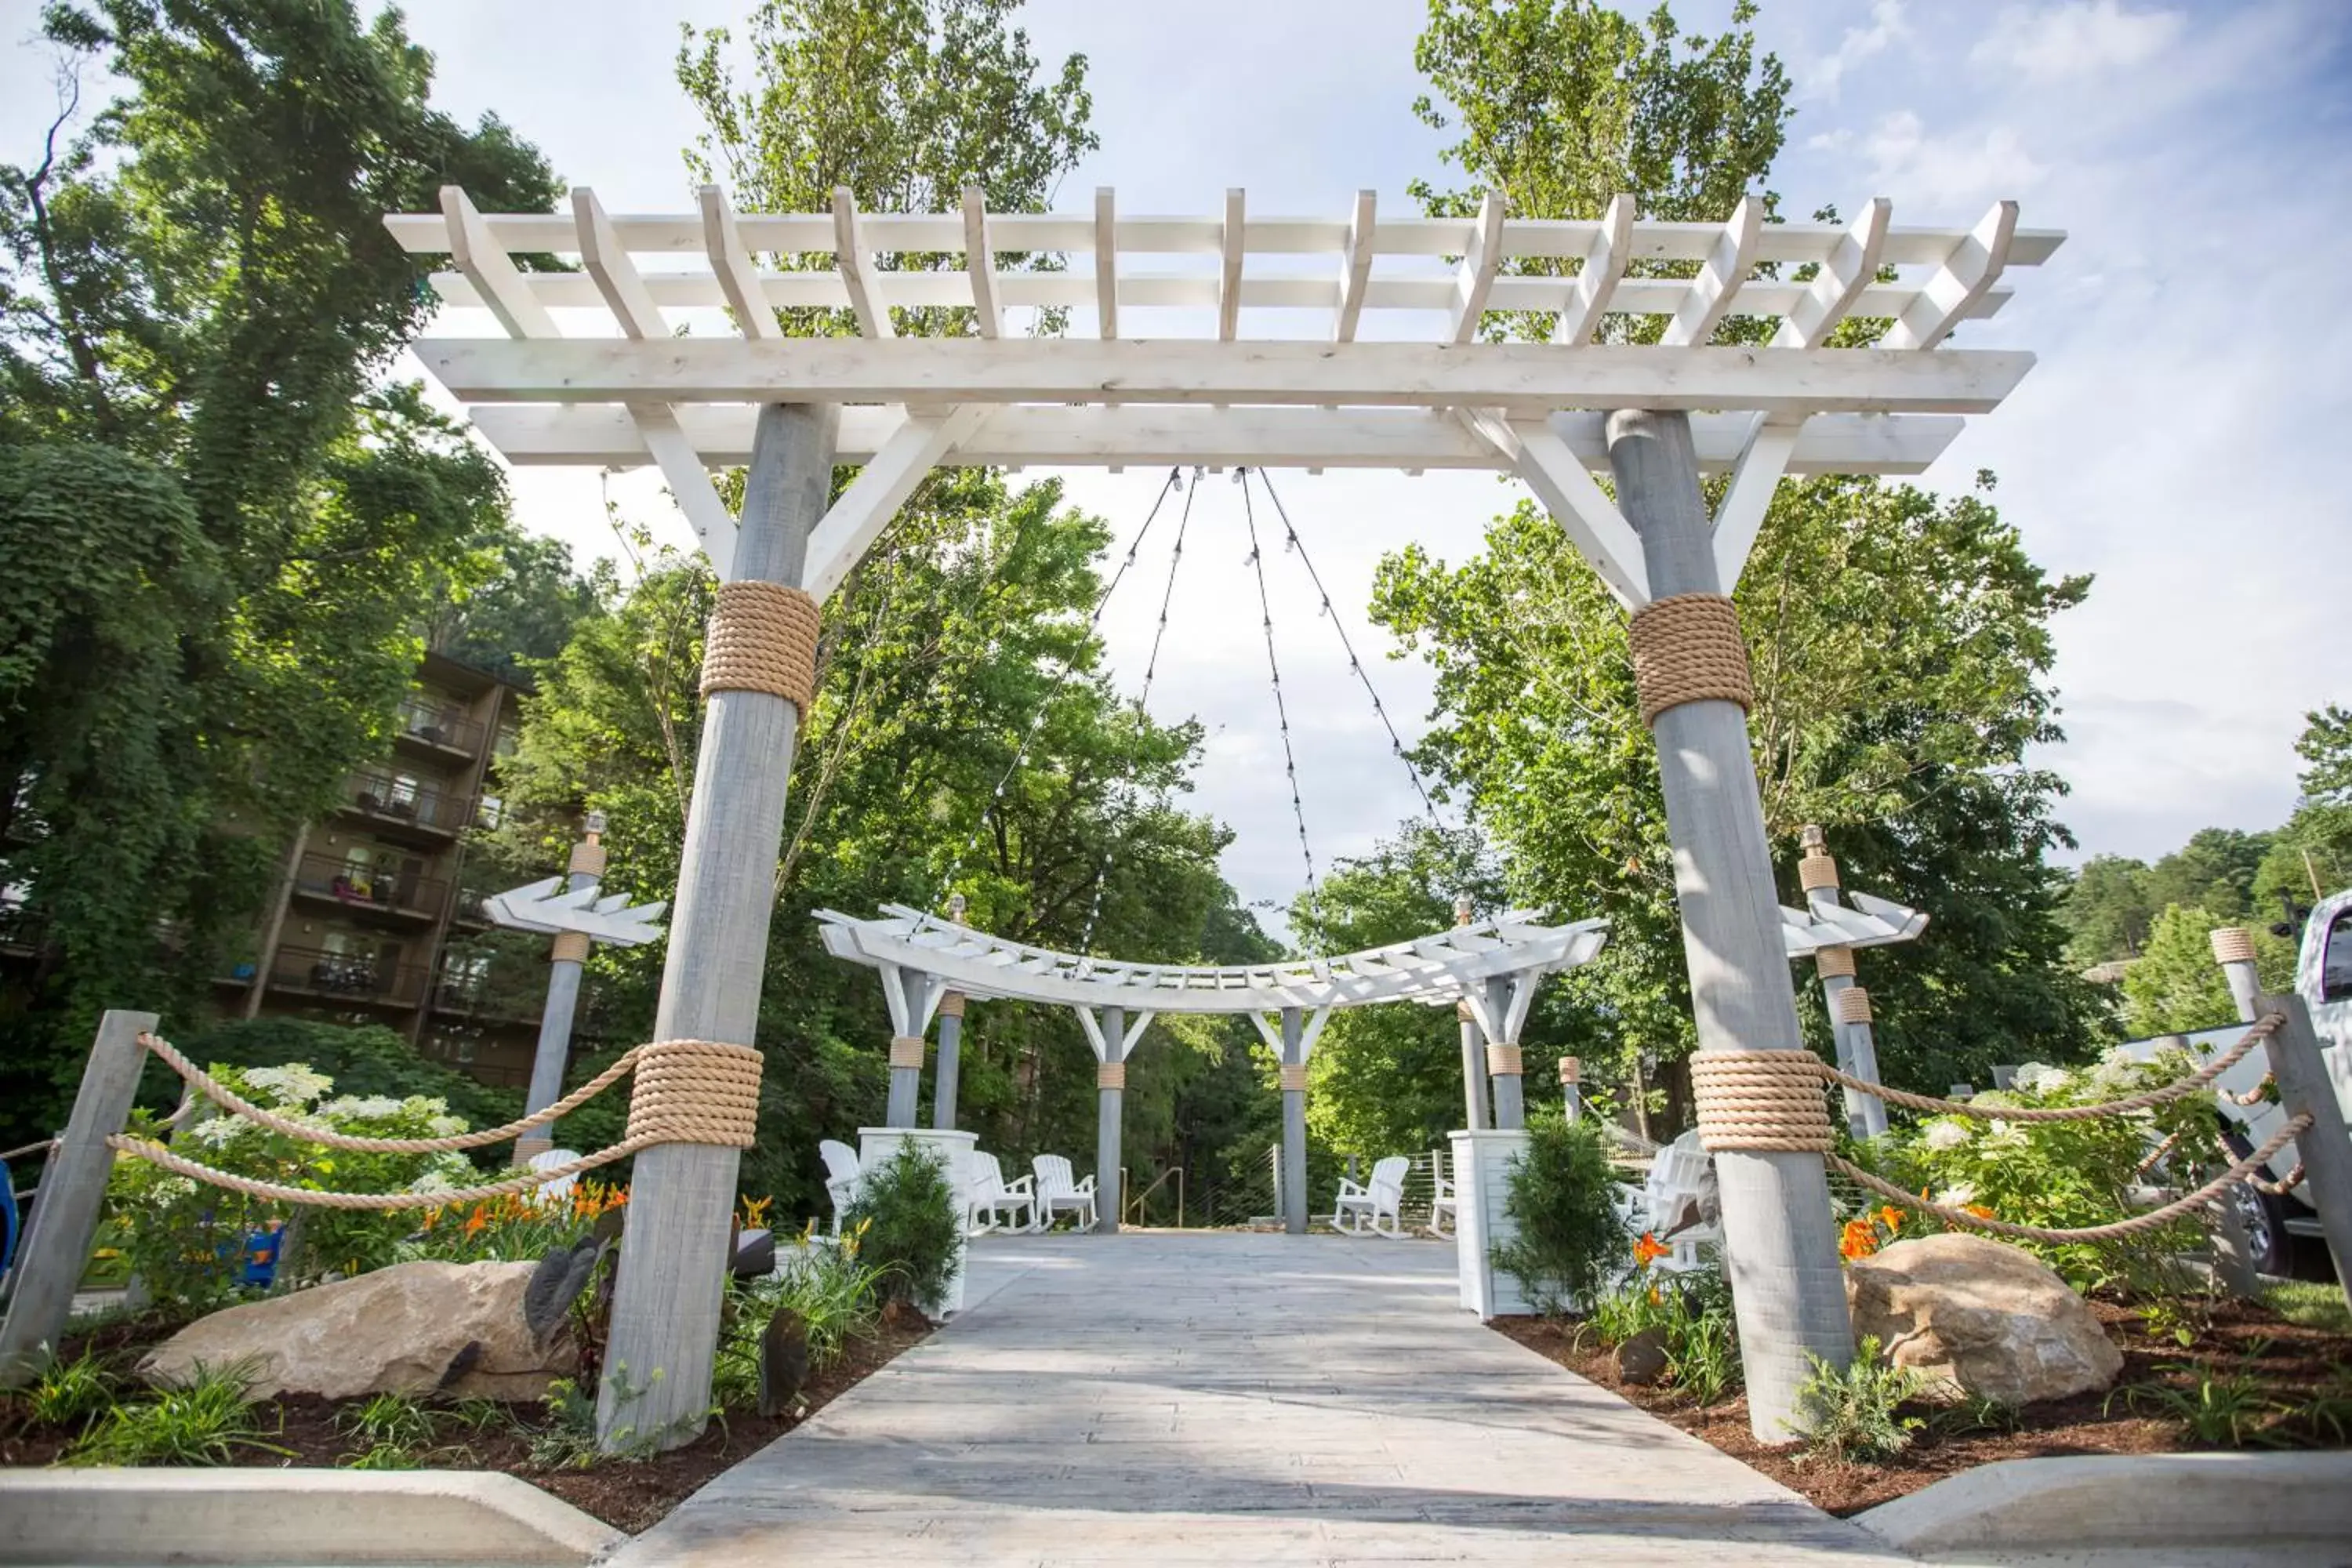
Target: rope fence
687, 1092
1773, 1101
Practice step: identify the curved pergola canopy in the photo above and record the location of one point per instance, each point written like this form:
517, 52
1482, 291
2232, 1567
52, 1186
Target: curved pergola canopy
1438, 969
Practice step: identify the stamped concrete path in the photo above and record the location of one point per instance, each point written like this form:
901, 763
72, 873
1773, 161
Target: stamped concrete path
1221, 1398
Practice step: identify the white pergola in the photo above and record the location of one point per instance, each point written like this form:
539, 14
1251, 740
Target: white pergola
1227, 338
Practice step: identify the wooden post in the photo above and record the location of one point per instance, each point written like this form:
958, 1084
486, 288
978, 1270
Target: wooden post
1779, 1236
682, 1195
2233, 1247
563, 970
1473, 1070
1571, 1084
72, 1197
2234, 950
1110, 1104
905, 1108
1293, 1120
943, 1088
1503, 1059
2325, 1149
1857, 1050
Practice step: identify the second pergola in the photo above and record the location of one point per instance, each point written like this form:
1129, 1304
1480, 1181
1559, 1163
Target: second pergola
1345, 339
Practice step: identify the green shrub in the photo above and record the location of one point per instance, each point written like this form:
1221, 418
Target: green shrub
70, 1392
185, 1240
205, 1419
2059, 1174
1571, 1241
1693, 1314
906, 1227
837, 1293
1855, 1413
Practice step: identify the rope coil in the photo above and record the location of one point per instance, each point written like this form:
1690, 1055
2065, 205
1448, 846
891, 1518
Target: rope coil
1854, 1005
695, 1091
569, 947
1294, 1076
1816, 872
762, 638
2233, 944
952, 1004
1687, 649
907, 1051
1833, 963
1763, 1100
1503, 1060
1110, 1074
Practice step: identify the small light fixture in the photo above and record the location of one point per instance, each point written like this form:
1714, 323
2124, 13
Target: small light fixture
957, 904
595, 822
1462, 909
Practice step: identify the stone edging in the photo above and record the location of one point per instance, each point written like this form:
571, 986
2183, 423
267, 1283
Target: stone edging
2251, 1502
268, 1517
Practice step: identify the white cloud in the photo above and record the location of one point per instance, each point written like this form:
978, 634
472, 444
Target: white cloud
2074, 39
1822, 77
1969, 165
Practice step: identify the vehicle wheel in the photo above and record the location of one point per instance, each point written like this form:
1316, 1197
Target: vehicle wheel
2264, 1216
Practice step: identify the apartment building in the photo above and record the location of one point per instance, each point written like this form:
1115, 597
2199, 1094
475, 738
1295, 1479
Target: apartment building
376, 917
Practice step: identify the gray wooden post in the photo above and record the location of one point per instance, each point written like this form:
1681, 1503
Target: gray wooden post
1779, 1236
563, 970
1857, 1049
2234, 950
1111, 1097
2325, 1149
674, 1239
72, 1198
2233, 1247
905, 1108
1293, 1120
1502, 1061
1571, 1085
943, 1087
1473, 1070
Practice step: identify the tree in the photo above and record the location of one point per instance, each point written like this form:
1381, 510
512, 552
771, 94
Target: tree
1900, 645
510, 602
221, 534
2107, 910
2214, 871
2176, 987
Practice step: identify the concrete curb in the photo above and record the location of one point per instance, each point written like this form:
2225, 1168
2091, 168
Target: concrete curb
258, 1519
2186, 1502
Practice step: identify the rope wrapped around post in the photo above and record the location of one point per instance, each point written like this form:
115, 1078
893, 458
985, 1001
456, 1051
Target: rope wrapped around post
1687, 649
1816, 872
1504, 1059
1854, 1005
2233, 944
1110, 1074
569, 947
762, 638
687, 1092
1830, 963
1294, 1075
907, 1051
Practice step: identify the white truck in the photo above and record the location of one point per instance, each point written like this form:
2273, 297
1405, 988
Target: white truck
2322, 977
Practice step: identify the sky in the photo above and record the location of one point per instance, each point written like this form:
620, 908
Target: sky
2176, 439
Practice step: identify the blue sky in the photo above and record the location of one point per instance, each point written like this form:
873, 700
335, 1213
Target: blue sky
2181, 437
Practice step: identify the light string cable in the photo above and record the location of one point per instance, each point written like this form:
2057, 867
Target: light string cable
1175, 481
1355, 665
1143, 699
1281, 709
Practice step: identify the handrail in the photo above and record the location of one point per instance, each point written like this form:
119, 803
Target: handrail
1132, 1208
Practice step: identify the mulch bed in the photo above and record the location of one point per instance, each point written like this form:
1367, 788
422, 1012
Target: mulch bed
2239, 1334
628, 1494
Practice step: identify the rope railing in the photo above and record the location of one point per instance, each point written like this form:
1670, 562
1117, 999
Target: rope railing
687, 1092
1772, 1102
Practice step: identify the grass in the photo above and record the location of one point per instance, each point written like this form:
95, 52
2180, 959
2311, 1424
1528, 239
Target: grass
2225, 1407
70, 1392
208, 1418
2309, 1305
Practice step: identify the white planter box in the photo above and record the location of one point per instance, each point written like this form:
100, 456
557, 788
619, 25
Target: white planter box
876, 1145
1482, 1166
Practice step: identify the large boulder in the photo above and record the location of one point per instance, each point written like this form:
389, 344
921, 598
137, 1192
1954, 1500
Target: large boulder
1988, 1316
409, 1329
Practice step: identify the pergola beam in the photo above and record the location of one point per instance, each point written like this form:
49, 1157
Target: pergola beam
731, 266
1831, 296
1474, 279
1355, 267
1758, 474
979, 261
856, 520
1521, 378
1962, 279
856, 265
1604, 265
1719, 279
1585, 513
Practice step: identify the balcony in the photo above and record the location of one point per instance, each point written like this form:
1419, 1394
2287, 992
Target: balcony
405, 809
473, 908
384, 895
494, 998
437, 730
352, 978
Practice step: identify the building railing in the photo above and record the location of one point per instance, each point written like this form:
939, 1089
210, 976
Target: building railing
440, 725
369, 888
389, 796
360, 976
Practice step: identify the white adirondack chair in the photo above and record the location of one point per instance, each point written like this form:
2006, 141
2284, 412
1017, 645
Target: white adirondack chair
993, 1195
1676, 1173
558, 1190
840, 1177
1058, 1192
1373, 1207
1444, 1208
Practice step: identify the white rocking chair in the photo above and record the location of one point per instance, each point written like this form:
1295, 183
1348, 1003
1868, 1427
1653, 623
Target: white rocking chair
842, 1173
1445, 1209
1374, 1207
1677, 1172
1058, 1192
993, 1196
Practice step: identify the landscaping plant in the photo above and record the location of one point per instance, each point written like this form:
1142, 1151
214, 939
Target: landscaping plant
907, 1227
2226, 1407
516, 1228
829, 1283
1856, 1412
1570, 1239
1692, 1314
205, 1418
70, 1392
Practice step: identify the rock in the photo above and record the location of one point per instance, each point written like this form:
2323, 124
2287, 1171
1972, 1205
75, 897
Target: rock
1982, 1315
406, 1328
1641, 1356
783, 1361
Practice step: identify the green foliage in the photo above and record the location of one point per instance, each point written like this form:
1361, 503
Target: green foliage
2225, 1406
1901, 647
2107, 913
568, 1440
68, 1393
907, 1226
833, 1287
1565, 103
2309, 1304
1854, 1413
185, 1238
1693, 1314
391, 1429
518, 1227
365, 1059
1570, 1241
206, 1418
217, 528
2176, 987
2058, 1175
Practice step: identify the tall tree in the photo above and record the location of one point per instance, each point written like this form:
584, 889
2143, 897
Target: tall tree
2108, 911
196, 298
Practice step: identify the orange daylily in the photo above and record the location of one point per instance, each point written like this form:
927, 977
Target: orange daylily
1648, 1250
1892, 1218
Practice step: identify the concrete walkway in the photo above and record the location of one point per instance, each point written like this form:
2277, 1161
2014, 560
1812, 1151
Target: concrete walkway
1219, 1398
